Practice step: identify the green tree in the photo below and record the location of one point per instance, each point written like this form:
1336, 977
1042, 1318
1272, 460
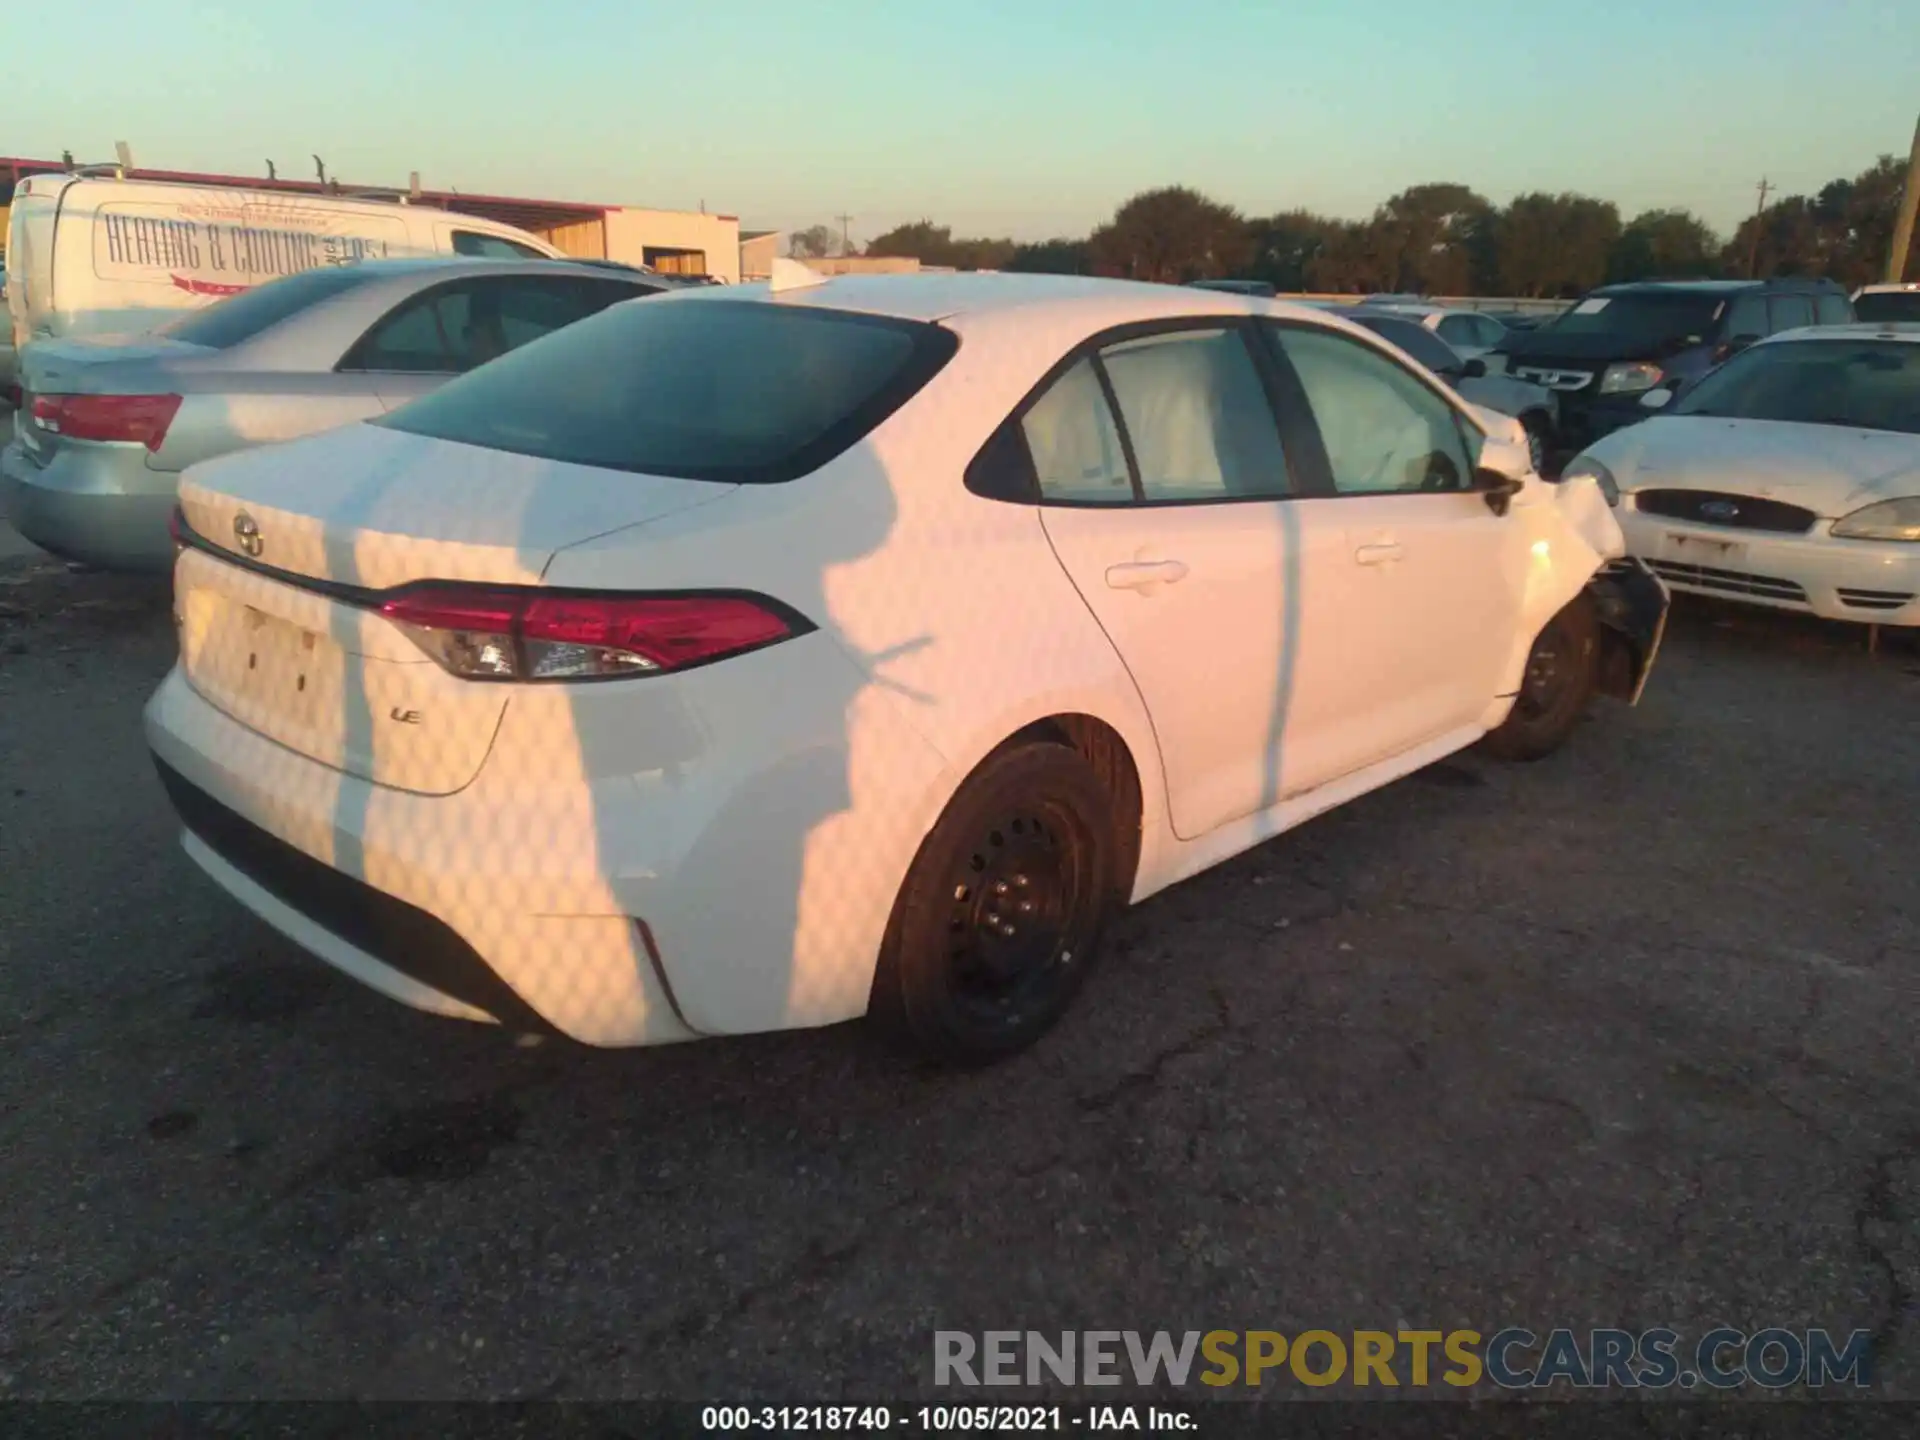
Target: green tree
811, 243
1058, 256
1434, 239
1349, 261
1665, 245
920, 240
1284, 247
1171, 235
1554, 244
933, 244
1787, 238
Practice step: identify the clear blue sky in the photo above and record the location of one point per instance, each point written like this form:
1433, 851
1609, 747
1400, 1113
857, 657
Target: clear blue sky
1009, 117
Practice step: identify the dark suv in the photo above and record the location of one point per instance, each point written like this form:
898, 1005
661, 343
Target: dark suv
1620, 341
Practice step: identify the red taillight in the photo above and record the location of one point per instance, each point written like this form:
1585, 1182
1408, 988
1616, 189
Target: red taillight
509, 633
135, 419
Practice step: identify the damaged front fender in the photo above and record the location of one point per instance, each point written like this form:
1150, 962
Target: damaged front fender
1631, 604
1576, 554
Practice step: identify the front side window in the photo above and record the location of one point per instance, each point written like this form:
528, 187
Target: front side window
1858, 384
1385, 432
1459, 330
699, 388
1492, 332
1197, 416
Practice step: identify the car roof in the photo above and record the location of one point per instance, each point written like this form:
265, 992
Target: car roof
418, 264
933, 297
1906, 330
1714, 287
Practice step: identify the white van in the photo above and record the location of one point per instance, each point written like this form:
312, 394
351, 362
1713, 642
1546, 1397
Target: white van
88, 255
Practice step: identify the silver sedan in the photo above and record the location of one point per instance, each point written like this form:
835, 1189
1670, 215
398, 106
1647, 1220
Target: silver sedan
106, 425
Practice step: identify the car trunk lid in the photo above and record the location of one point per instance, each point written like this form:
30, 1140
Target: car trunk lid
134, 365
277, 598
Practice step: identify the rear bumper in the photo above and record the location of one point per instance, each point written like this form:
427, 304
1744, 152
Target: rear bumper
100, 505
634, 864
1867, 582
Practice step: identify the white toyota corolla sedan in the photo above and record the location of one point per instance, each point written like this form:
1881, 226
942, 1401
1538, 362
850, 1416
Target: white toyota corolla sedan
1788, 477
765, 656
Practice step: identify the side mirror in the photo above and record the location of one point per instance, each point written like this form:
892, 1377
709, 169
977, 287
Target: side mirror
1496, 489
1476, 369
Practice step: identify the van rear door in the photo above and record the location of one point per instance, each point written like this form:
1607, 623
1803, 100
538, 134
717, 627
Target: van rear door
36, 205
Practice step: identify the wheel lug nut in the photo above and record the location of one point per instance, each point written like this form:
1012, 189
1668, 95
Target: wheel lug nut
1021, 881
999, 887
1026, 907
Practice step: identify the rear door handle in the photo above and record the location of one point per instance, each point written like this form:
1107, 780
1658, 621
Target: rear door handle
1384, 554
1145, 574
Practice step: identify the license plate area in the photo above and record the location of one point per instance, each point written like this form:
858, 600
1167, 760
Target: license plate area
1689, 549
264, 670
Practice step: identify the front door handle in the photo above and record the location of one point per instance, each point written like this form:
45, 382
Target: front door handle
1143, 575
1383, 554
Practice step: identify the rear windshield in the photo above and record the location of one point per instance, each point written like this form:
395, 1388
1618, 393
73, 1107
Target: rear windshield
738, 391
1863, 384
1640, 320
1888, 307
241, 317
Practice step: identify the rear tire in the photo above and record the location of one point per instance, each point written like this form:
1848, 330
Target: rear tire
1003, 910
1563, 669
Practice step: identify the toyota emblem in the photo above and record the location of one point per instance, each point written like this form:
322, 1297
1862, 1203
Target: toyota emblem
1720, 510
246, 530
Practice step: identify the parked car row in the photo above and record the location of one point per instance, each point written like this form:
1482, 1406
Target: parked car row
742, 659
108, 424
1788, 477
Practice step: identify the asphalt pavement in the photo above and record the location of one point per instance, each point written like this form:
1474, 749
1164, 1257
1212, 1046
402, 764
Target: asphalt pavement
1621, 1038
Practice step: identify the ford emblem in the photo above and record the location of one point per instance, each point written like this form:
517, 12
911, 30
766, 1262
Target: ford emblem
246, 530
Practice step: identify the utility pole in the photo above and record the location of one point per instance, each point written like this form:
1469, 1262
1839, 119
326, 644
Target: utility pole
846, 234
1903, 225
1753, 250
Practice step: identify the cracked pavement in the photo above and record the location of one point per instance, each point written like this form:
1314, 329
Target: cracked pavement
1621, 1038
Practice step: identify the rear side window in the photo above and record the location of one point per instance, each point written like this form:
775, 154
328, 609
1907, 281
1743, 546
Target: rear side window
240, 317
727, 390
1790, 312
1418, 341
492, 247
1834, 310
1747, 318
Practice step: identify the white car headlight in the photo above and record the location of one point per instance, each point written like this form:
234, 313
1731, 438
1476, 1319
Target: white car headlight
1587, 468
1633, 376
1884, 520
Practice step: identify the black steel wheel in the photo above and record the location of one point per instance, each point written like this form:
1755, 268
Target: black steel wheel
1556, 688
1003, 910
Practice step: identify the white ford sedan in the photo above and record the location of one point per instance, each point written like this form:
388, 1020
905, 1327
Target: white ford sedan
1789, 477
764, 656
